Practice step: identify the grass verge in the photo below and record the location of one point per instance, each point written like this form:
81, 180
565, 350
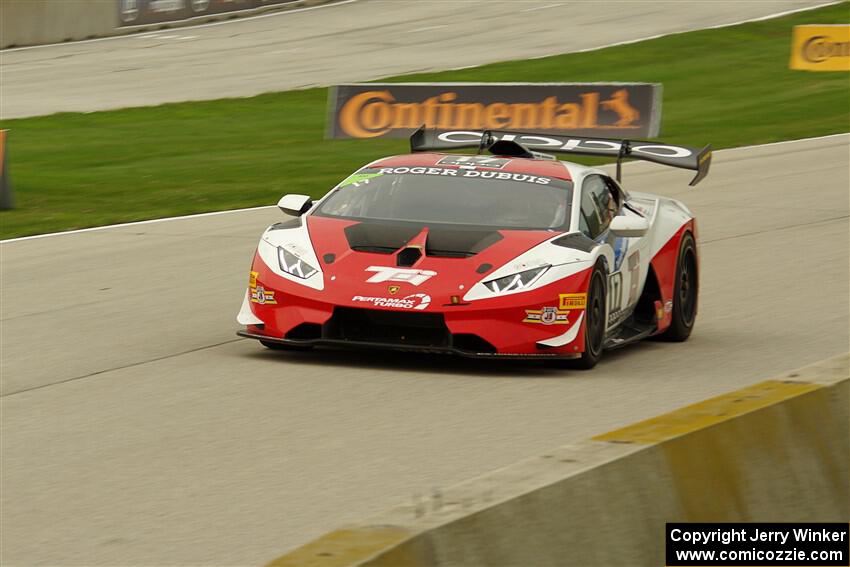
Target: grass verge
728, 86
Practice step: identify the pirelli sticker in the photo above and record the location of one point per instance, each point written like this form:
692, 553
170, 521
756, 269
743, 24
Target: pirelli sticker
572, 301
396, 110
821, 48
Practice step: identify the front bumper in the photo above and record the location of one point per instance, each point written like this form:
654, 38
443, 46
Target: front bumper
541, 323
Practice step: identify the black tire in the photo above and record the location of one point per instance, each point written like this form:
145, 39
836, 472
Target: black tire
685, 293
279, 346
594, 313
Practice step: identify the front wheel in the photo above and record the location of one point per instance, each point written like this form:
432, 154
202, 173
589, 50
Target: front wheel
594, 324
685, 293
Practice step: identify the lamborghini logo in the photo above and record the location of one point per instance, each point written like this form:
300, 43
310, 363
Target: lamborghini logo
393, 289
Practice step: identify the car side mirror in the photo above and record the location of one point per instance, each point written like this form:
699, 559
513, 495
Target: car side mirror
295, 205
629, 226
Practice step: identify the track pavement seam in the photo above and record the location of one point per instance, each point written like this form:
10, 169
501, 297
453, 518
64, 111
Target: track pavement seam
122, 367
776, 229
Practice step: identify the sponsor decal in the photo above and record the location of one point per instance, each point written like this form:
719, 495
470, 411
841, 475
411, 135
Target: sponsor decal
475, 161
359, 178
467, 173
617, 316
821, 48
621, 246
262, 296
547, 316
421, 171
391, 274
634, 276
370, 110
252, 279
393, 289
615, 294
659, 311
543, 142
139, 12
572, 301
668, 306
416, 301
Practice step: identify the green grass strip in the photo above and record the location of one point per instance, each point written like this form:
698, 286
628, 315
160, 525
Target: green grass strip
728, 86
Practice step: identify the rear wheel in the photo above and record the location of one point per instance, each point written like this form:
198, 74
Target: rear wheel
685, 293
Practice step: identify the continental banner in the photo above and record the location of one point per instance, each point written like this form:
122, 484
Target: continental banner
141, 12
395, 110
821, 48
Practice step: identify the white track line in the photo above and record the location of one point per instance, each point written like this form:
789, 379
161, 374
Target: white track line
194, 27
536, 8
216, 213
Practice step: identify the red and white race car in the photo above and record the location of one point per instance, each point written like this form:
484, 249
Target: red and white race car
509, 254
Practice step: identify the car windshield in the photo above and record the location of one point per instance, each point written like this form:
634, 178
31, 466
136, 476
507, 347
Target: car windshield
439, 195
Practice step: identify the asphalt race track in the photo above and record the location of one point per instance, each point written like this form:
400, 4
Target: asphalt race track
356, 41
137, 429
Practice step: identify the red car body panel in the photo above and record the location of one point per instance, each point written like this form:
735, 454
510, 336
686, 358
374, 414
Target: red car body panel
498, 320
664, 266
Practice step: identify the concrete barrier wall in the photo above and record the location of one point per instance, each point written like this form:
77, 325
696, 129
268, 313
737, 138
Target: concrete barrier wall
32, 22
776, 451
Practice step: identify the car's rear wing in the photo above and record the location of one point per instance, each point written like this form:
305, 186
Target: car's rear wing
520, 144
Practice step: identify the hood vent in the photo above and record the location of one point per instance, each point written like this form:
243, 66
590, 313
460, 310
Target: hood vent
380, 237
409, 256
413, 250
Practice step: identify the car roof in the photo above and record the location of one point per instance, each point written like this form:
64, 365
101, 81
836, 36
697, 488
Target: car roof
539, 167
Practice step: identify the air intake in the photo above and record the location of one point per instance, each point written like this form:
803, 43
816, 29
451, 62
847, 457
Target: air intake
409, 256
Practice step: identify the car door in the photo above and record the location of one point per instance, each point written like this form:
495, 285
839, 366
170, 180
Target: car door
601, 201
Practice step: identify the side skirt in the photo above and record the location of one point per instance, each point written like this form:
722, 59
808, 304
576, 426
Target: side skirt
628, 332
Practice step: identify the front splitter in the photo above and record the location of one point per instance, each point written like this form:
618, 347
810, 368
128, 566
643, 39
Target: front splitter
347, 344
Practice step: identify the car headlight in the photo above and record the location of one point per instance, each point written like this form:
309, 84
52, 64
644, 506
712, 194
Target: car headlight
293, 265
520, 280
